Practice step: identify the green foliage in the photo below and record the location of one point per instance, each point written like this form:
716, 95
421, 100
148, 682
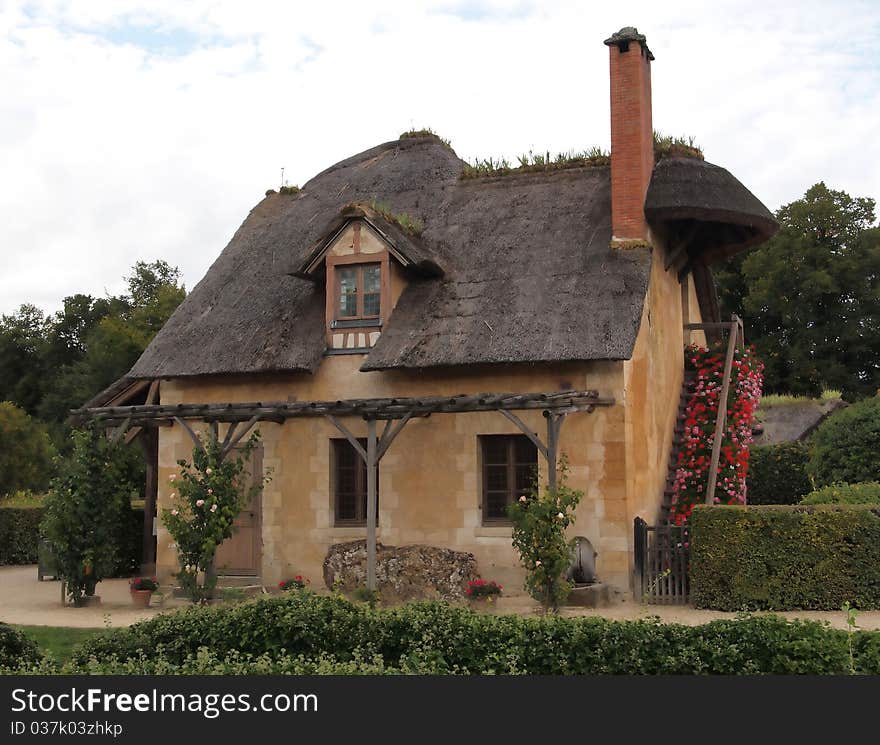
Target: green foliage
532, 162
867, 492
26, 453
811, 295
775, 400
406, 222
846, 446
209, 497
305, 633
19, 534
85, 510
16, 648
785, 557
778, 473
539, 524
290, 190
425, 132
666, 146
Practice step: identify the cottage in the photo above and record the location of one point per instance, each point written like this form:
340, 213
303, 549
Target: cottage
409, 336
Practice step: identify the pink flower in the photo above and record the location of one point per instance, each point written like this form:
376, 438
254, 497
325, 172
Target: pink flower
200, 503
213, 508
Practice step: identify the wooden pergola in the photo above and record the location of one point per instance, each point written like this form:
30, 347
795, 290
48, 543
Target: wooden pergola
395, 412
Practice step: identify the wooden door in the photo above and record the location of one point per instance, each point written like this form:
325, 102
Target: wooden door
241, 554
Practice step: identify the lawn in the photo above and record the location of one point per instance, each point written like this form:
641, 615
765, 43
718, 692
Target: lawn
59, 640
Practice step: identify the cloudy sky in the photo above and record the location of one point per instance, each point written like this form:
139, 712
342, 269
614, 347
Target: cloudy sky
145, 129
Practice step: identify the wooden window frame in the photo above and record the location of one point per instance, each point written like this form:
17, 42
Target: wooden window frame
360, 485
512, 464
359, 315
332, 292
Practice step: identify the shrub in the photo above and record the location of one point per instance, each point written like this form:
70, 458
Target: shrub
26, 453
305, 633
211, 496
19, 534
846, 446
84, 513
539, 524
864, 493
778, 473
785, 557
16, 648
480, 588
295, 583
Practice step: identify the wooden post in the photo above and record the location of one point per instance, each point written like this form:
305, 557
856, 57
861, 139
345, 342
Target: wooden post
149, 440
721, 419
372, 463
554, 424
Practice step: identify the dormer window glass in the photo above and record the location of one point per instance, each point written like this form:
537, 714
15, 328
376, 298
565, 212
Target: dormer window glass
359, 291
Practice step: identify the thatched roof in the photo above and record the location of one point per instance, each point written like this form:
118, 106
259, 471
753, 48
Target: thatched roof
686, 192
527, 272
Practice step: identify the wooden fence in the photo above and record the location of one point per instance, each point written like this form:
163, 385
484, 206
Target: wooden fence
662, 563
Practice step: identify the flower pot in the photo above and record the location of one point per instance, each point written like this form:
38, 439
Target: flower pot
484, 603
141, 598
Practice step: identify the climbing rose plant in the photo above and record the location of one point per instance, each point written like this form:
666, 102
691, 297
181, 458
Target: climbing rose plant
539, 523
206, 497
695, 453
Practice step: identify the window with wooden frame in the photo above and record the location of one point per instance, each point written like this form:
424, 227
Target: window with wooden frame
510, 468
348, 477
358, 291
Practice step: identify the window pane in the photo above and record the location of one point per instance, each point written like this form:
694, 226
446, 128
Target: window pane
526, 452
496, 505
496, 478
347, 291
372, 278
371, 304
495, 450
350, 483
525, 479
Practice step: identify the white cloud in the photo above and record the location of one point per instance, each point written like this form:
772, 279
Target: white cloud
139, 130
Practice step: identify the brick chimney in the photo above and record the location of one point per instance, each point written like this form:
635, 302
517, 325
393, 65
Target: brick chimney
632, 133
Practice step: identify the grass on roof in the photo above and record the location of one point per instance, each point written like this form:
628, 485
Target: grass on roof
531, 162
773, 400
424, 132
407, 223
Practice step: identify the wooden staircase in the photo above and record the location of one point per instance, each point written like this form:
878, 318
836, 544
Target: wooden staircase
677, 437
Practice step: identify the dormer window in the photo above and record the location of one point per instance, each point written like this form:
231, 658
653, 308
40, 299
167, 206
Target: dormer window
359, 291
364, 261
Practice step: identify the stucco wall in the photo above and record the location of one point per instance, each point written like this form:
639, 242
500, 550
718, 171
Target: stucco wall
429, 488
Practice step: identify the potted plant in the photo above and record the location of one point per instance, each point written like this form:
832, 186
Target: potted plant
481, 592
142, 589
297, 583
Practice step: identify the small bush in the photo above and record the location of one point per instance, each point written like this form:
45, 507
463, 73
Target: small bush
864, 493
778, 473
305, 633
846, 446
785, 557
19, 534
16, 648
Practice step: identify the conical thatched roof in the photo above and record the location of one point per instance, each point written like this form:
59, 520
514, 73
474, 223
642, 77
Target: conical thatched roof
527, 273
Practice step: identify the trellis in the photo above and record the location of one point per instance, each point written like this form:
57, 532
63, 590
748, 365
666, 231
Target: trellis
395, 412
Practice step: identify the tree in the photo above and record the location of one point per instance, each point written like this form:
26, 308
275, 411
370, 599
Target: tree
811, 295
22, 346
84, 511
26, 453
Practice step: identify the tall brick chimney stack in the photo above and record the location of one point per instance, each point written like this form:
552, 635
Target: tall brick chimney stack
632, 133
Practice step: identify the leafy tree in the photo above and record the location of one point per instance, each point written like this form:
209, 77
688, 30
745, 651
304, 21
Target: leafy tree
811, 295
26, 453
84, 511
22, 345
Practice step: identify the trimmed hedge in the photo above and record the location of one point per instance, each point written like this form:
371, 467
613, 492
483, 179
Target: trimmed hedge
778, 473
846, 446
20, 538
16, 649
868, 492
785, 557
304, 633
19, 534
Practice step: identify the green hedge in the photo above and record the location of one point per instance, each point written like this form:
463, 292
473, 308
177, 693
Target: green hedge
846, 446
302, 632
20, 538
16, 649
19, 534
868, 492
784, 557
778, 473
